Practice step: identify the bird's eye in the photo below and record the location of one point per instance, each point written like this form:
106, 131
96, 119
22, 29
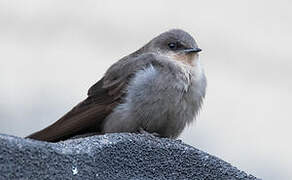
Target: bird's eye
172, 46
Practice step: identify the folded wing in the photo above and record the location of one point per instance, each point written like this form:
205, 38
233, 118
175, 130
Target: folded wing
89, 115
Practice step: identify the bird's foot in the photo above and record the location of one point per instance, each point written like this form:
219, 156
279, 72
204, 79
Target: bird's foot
153, 134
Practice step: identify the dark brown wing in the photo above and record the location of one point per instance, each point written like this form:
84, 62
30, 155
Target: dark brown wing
88, 116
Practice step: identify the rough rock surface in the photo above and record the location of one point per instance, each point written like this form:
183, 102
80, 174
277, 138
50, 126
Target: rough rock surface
111, 156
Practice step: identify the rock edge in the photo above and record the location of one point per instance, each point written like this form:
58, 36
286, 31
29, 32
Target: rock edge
111, 156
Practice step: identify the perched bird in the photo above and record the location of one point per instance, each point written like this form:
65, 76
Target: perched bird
157, 89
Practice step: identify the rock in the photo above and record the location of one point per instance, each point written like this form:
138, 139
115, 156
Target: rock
110, 156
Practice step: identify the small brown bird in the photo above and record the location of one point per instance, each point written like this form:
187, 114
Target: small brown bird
157, 89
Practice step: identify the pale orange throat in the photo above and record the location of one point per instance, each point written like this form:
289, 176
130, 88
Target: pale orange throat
188, 59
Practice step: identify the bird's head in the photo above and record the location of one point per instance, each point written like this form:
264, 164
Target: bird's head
176, 44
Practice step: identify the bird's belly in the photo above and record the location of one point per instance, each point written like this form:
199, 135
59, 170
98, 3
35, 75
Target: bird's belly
155, 102
178, 112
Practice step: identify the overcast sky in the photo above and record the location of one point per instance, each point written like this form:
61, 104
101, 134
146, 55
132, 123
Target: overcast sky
51, 52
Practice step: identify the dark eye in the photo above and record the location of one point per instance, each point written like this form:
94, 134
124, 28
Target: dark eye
172, 46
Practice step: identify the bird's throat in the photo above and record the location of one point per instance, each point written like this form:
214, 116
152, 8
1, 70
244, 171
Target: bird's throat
188, 59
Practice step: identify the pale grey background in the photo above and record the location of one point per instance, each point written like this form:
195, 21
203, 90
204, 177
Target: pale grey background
51, 52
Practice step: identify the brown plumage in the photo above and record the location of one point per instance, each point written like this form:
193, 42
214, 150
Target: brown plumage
89, 116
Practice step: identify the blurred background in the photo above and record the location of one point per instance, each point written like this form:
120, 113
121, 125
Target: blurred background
51, 52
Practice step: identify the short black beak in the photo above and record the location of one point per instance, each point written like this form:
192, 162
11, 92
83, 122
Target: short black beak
192, 50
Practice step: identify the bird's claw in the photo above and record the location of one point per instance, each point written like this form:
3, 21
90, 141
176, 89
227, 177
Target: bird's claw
153, 134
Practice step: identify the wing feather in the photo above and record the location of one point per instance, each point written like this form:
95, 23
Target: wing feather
103, 97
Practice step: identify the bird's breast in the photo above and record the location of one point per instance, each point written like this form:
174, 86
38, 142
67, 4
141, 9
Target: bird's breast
159, 99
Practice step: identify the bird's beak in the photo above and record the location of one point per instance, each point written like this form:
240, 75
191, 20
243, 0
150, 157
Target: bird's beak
192, 50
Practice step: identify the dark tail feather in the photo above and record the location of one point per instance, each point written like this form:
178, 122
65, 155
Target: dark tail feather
81, 119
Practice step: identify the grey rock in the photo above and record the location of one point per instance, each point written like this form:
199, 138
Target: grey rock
111, 156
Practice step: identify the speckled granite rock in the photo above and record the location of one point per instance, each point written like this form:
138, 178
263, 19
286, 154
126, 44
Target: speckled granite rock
111, 156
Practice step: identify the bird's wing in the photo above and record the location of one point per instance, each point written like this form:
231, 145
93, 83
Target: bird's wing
103, 96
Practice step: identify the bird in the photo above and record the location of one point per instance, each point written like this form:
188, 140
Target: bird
158, 89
